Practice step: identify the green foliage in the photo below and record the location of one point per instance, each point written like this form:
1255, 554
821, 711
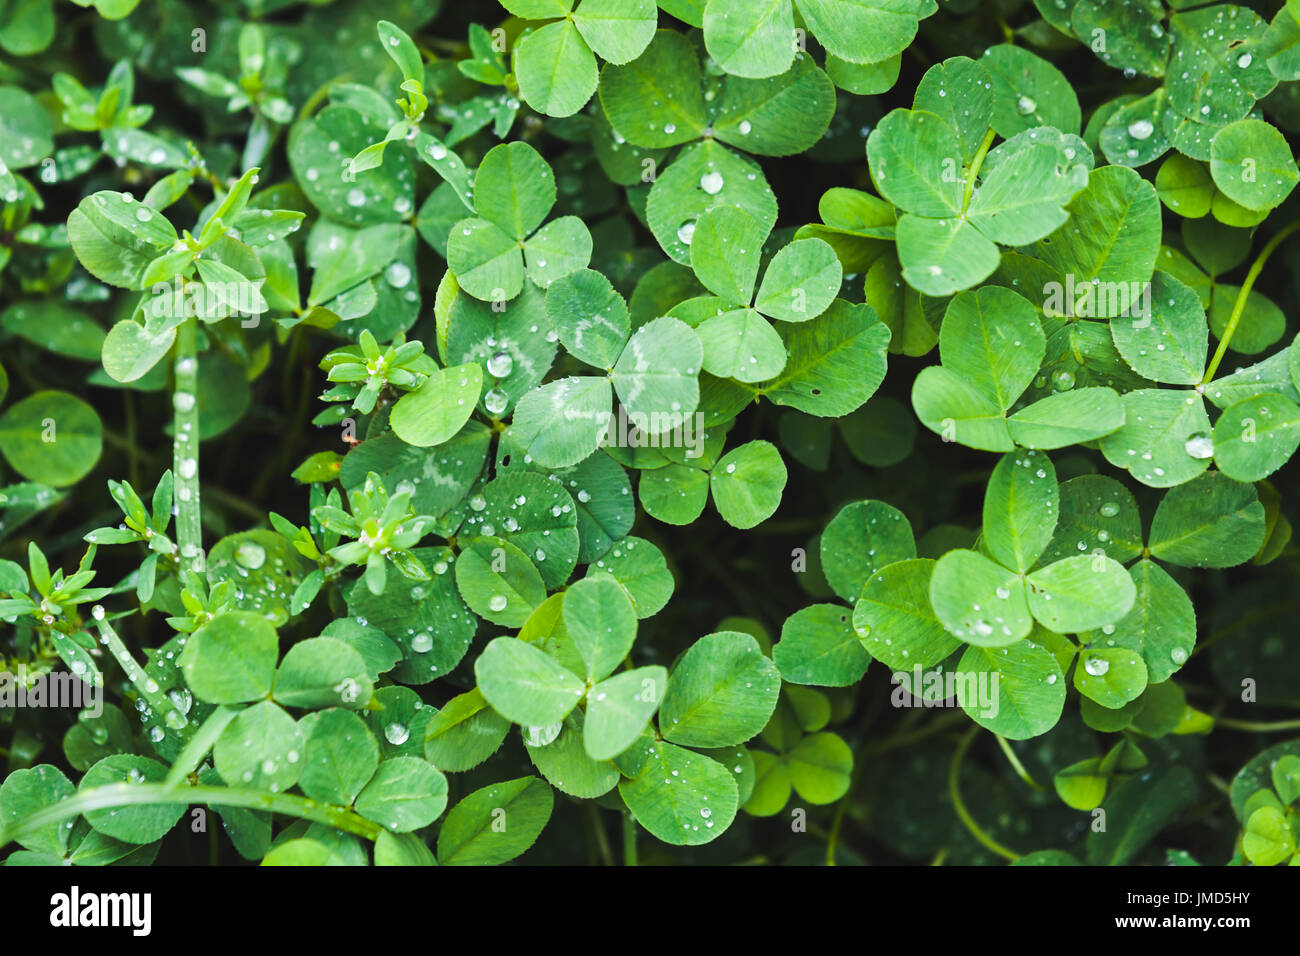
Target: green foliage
622, 317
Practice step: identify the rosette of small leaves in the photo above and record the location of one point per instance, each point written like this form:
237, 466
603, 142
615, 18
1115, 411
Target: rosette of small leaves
315, 543
111, 109
385, 529
263, 70
54, 606
138, 524
363, 371
403, 51
201, 604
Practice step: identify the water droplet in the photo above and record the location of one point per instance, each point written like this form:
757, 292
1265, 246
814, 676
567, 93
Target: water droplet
1096, 666
1199, 445
495, 401
1141, 129
500, 365
541, 736
398, 275
712, 183
1025, 105
396, 734
250, 555
1109, 509
686, 232
497, 602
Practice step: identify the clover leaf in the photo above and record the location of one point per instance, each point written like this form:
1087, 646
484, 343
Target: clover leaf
490, 255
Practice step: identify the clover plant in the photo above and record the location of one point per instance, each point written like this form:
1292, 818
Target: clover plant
616, 431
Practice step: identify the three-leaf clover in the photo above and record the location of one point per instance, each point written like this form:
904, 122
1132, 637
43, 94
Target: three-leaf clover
800, 284
490, 254
554, 64
759, 39
991, 346
960, 200
1272, 831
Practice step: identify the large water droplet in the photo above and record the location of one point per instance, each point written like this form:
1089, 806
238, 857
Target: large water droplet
398, 275
250, 555
1096, 666
1199, 445
1141, 129
396, 734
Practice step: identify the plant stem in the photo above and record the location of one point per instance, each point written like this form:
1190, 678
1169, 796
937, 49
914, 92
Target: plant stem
598, 830
189, 530
189, 758
1016, 765
834, 838
629, 840
936, 726
1258, 728
954, 793
159, 703
1239, 306
975, 165
145, 794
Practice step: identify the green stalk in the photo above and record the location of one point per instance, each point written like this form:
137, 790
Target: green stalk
151, 794
1256, 727
954, 793
1016, 765
629, 840
147, 687
1239, 306
975, 165
185, 405
197, 749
